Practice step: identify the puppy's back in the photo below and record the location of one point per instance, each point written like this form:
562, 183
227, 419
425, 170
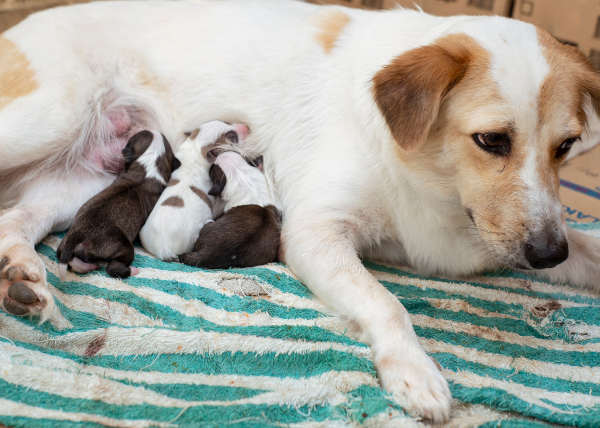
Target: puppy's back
245, 236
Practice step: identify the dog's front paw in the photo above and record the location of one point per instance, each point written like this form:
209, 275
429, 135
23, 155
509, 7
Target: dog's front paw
416, 384
23, 288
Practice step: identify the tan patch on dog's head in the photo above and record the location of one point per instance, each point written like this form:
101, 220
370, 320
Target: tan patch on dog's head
560, 110
330, 25
17, 79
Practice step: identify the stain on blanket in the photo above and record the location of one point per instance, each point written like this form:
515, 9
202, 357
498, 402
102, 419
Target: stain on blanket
543, 310
95, 346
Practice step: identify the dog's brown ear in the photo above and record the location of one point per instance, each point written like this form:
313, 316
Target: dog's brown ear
410, 90
217, 176
136, 146
590, 84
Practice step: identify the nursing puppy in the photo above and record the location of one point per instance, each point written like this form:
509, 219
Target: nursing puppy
106, 226
185, 205
248, 233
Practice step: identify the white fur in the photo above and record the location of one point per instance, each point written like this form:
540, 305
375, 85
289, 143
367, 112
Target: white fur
329, 155
148, 159
245, 185
171, 231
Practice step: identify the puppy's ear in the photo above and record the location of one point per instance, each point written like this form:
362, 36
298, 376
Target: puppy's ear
136, 146
176, 164
217, 176
410, 90
258, 163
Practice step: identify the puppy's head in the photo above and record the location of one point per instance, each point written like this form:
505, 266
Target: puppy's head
136, 146
484, 118
233, 177
151, 153
216, 136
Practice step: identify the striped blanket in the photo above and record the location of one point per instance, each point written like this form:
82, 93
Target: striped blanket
180, 346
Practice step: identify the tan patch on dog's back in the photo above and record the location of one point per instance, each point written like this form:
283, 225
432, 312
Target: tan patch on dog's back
149, 80
330, 25
202, 195
17, 79
173, 201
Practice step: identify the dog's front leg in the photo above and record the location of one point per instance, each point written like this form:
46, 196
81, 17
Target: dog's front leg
583, 265
49, 203
324, 257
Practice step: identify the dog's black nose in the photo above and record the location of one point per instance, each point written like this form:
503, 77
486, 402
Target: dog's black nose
546, 249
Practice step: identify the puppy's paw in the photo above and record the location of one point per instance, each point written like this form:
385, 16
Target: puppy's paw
117, 269
23, 288
416, 384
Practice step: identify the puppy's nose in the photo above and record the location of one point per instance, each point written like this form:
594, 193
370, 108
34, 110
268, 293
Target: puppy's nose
242, 130
546, 249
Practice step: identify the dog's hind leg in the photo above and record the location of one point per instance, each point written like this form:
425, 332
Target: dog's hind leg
48, 204
119, 253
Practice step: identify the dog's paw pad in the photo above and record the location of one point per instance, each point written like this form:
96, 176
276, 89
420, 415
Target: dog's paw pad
21, 293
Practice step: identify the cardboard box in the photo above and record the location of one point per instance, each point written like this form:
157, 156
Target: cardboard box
436, 7
580, 187
14, 11
576, 22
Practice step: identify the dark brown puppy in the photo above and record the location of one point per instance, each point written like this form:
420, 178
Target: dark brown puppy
246, 235
106, 226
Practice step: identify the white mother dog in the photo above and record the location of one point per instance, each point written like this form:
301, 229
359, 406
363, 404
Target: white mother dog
423, 140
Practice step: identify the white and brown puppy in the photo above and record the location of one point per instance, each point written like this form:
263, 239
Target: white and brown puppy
106, 226
429, 141
248, 233
185, 206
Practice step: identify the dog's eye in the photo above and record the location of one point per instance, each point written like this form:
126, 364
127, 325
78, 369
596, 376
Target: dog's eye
564, 148
232, 136
493, 142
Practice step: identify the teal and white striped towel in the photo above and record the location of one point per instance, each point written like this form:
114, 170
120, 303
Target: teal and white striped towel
180, 346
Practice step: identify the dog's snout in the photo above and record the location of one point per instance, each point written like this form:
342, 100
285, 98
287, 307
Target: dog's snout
546, 249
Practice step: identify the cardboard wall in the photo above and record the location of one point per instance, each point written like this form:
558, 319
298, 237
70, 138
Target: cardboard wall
576, 22
437, 7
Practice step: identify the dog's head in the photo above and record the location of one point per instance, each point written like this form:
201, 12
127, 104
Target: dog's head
216, 137
485, 117
149, 155
235, 179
